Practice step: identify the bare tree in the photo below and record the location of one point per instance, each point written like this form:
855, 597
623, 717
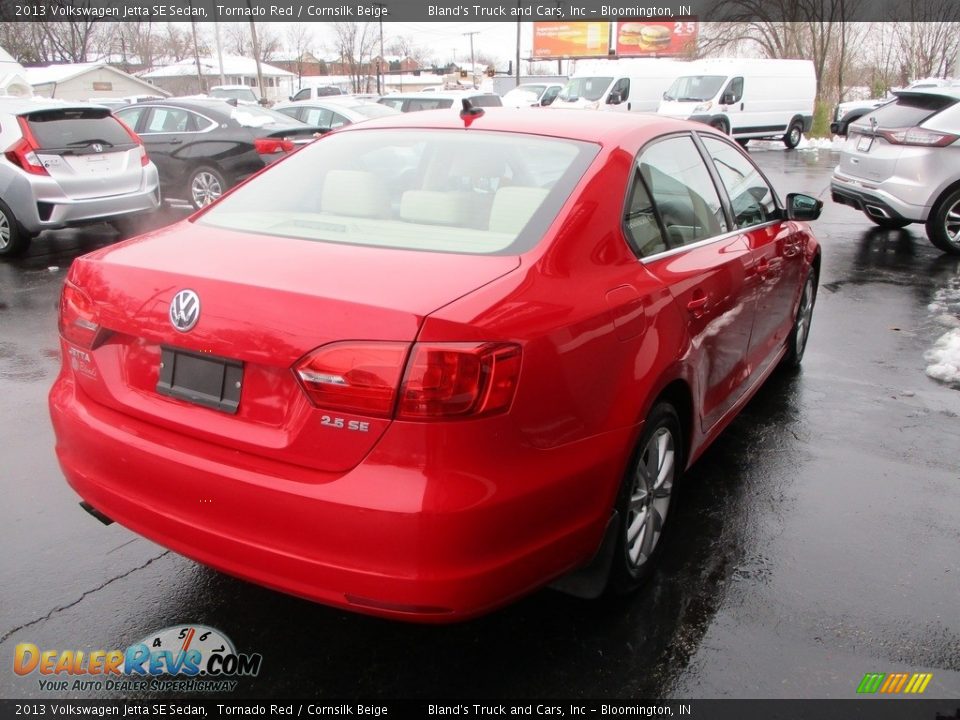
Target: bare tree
929, 40
354, 43
300, 39
237, 40
406, 47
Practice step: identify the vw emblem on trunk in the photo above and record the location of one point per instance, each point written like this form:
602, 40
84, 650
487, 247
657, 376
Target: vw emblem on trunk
184, 310
97, 147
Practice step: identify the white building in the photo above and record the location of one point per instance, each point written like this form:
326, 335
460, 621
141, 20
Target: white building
180, 78
13, 78
87, 81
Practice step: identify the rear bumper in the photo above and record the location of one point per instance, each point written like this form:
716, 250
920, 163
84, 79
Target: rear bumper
431, 545
884, 200
39, 203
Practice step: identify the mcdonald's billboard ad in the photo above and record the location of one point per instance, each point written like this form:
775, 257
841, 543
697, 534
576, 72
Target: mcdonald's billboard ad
639, 38
571, 40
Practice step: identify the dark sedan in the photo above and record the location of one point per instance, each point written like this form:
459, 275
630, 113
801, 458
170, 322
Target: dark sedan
203, 147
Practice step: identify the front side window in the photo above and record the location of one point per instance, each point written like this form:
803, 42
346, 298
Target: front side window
695, 88
622, 88
735, 89
682, 190
439, 190
751, 198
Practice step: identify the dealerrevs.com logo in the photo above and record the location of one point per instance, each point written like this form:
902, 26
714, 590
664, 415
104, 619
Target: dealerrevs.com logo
182, 658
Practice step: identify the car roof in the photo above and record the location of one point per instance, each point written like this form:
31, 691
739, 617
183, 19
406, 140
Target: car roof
198, 104
22, 106
950, 91
444, 94
574, 124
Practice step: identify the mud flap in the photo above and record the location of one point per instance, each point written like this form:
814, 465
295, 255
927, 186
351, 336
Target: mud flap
589, 581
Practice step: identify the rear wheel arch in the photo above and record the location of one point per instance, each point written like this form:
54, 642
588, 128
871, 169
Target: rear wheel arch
678, 394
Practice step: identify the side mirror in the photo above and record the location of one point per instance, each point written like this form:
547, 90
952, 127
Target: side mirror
665, 94
803, 207
727, 99
614, 99
290, 98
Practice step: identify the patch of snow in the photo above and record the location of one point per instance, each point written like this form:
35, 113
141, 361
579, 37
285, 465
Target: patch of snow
944, 358
250, 120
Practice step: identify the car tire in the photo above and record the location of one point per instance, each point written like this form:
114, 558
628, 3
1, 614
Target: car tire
645, 497
206, 184
13, 238
800, 332
793, 135
888, 223
743, 142
943, 225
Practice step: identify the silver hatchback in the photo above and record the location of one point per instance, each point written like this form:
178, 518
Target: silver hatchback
901, 165
67, 164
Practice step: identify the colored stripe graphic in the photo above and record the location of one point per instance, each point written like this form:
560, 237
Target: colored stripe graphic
893, 683
870, 683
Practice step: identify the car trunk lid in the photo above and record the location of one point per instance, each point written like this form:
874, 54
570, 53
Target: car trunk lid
263, 306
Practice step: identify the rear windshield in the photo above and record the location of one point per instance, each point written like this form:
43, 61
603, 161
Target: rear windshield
372, 110
77, 127
908, 111
474, 192
695, 88
486, 101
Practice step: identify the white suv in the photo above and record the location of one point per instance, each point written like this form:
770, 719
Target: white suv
68, 164
901, 164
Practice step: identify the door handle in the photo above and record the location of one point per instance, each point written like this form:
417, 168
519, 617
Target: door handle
176, 141
741, 106
698, 304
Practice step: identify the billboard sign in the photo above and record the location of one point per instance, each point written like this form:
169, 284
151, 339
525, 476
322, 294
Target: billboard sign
639, 38
571, 40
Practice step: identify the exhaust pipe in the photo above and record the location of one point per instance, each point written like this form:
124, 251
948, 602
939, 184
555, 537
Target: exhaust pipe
96, 513
877, 211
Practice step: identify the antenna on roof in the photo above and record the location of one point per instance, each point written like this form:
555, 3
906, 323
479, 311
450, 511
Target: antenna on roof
469, 112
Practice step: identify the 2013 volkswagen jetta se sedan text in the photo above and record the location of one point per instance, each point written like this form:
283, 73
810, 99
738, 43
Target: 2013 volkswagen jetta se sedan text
429, 364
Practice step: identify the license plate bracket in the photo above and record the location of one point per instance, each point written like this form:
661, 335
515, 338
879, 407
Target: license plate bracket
202, 379
865, 143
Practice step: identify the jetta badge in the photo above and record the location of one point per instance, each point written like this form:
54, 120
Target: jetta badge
184, 310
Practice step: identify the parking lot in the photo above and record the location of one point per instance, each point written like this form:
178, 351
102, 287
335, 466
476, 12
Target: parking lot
817, 540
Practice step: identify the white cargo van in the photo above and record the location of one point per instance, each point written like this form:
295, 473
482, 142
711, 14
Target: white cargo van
746, 98
628, 85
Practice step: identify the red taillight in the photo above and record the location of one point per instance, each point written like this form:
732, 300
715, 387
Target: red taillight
447, 380
79, 321
918, 136
144, 158
271, 146
442, 380
23, 153
359, 377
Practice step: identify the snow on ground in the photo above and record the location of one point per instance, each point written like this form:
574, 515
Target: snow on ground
834, 144
944, 356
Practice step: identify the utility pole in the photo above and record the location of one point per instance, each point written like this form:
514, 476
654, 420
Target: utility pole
196, 52
216, 35
256, 56
518, 45
473, 64
380, 91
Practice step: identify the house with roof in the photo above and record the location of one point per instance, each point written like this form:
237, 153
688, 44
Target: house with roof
87, 81
13, 78
186, 78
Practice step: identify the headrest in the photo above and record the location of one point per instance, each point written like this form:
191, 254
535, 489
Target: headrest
513, 206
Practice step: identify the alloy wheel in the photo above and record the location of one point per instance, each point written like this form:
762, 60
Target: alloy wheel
951, 223
4, 230
650, 496
804, 316
205, 188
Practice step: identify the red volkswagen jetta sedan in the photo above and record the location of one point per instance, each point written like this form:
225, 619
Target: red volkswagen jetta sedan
428, 363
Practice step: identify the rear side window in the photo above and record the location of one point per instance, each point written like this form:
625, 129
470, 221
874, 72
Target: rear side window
76, 128
908, 111
640, 221
441, 190
168, 120
683, 191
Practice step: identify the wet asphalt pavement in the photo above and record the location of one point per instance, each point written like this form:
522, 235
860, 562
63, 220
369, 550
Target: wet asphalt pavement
817, 540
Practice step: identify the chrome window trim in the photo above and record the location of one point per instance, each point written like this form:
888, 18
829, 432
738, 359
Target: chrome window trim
706, 241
